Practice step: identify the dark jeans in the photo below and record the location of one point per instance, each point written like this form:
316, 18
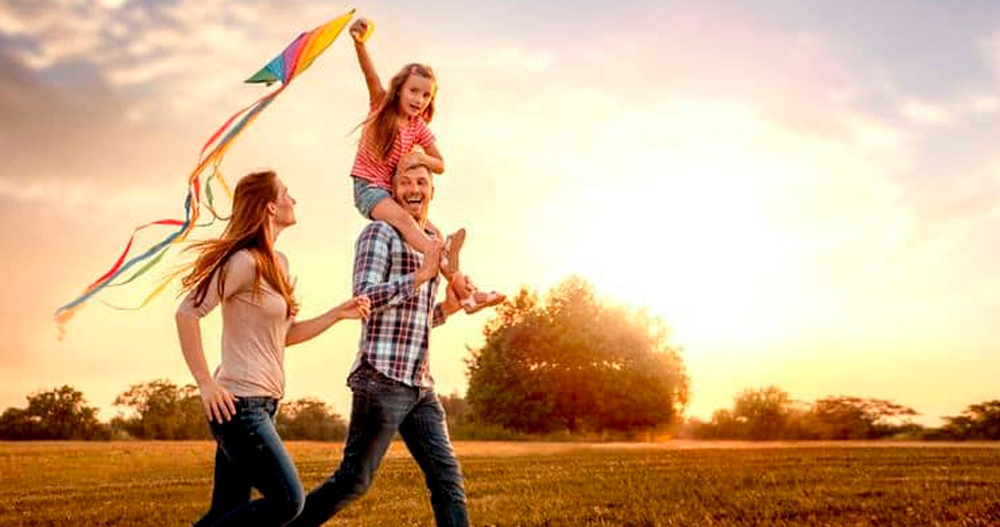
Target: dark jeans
249, 454
380, 407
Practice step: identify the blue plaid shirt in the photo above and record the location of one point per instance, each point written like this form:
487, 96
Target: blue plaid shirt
396, 336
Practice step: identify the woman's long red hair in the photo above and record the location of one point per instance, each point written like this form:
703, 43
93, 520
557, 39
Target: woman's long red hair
247, 229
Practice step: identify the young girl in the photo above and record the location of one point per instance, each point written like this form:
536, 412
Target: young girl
395, 137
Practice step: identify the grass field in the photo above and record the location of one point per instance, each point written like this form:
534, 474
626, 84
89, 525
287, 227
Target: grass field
533, 484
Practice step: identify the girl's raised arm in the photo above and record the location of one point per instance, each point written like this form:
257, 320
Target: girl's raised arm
360, 30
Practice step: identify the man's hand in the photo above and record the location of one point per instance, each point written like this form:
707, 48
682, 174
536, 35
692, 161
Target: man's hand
451, 303
357, 307
432, 264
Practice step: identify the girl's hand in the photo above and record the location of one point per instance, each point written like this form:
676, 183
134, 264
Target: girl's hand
357, 307
219, 404
412, 159
361, 29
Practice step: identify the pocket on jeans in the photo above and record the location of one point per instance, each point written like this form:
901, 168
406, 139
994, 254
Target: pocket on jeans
242, 435
359, 377
245, 420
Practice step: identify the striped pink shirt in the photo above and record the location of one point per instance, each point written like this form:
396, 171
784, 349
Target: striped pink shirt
367, 165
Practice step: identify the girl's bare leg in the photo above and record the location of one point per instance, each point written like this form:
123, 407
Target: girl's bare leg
389, 211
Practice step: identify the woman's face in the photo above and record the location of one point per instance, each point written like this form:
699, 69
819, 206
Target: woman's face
284, 213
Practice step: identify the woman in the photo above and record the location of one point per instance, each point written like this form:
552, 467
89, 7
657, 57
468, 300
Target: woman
242, 271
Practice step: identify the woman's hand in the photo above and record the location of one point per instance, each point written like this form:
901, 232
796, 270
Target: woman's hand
219, 404
357, 307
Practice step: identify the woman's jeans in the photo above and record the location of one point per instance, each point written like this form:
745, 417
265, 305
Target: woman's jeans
379, 408
249, 453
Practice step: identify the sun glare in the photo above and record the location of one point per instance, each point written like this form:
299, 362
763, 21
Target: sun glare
693, 243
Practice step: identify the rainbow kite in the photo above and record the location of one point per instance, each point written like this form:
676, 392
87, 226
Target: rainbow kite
298, 56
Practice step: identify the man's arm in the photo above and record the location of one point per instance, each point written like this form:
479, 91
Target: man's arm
371, 270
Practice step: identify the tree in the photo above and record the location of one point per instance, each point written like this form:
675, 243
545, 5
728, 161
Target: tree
15, 423
310, 419
722, 426
763, 413
769, 413
162, 410
757, 414
978, 421
456, 409
572, 363
61, 413
846, 417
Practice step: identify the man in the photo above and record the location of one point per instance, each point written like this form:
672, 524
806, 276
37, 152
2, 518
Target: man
390, 380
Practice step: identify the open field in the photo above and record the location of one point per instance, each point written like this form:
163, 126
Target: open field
533, 484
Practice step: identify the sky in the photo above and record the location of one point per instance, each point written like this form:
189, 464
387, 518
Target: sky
807, 193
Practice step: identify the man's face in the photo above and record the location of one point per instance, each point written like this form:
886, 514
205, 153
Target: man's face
413, 191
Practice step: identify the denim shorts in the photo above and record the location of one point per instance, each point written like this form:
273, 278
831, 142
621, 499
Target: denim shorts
367, 195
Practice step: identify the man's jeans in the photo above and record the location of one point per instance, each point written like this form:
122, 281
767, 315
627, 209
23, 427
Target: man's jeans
380, 407
248, 454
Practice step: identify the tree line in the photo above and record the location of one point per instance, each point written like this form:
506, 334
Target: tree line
771, 414
157, 409
566, 364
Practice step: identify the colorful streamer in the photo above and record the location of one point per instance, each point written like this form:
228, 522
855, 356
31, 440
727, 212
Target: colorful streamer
290, 63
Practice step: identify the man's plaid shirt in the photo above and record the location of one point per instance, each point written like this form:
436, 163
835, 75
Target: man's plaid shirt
396, 336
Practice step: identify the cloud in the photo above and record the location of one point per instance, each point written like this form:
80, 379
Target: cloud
923, 112
990, 48
57, 31
112, 4
858, 195
50, 133
956, 110
100, 93
984, 104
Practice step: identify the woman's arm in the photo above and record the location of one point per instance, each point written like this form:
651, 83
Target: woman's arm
357, 307
219, 404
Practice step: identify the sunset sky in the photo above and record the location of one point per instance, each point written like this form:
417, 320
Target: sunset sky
807, 192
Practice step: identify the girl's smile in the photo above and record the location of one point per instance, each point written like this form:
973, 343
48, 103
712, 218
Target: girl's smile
415, 95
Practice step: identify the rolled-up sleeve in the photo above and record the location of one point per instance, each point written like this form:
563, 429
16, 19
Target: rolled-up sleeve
438, 317
371, 270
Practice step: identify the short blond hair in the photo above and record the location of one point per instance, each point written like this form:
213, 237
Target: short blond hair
412, 167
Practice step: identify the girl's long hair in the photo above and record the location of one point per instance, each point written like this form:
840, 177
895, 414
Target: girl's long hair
247, 229
380, 128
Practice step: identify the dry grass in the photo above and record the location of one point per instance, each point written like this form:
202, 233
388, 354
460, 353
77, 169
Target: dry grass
534, 484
